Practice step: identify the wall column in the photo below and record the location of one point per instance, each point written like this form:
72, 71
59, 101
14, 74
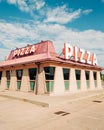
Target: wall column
73, 84
83, 81
3, 84
25, 81
59, 88
92, 85
40, 81
13, 80
99, 86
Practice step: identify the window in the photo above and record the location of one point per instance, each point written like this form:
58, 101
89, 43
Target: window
87, 75
78, 73
19, 74
49, 76
66, 78
66, 73
49, 73
8, 75
95, 75
32, 73
0, 74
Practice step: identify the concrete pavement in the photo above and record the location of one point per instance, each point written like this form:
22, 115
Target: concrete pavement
86, 114
49, 101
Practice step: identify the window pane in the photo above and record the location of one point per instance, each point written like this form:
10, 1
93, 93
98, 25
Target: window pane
49, 73
87, 75
8, 75
0, 74
66, 73
95, 75
19, 74
78, 73
32, 73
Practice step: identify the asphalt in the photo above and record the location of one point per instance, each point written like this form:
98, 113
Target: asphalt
49, 101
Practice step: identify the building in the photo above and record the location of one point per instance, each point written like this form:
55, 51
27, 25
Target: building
38, 68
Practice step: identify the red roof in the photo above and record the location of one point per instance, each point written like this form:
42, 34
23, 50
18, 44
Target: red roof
44, 52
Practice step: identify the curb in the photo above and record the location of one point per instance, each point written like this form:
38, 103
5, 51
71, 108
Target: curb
81, 98
42, 104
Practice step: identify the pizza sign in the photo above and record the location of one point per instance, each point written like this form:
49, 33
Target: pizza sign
24, 51
78, 54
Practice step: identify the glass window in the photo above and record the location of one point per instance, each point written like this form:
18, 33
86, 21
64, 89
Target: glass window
8, 75
0, 74
95, 75
32, 73
87, 75
66, 73
100, 75
19, 74
49, 73
78, 74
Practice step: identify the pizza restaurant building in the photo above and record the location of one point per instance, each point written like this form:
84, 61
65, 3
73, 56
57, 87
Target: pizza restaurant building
39, 69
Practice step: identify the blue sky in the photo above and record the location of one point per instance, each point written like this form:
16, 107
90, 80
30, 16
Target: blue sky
78, 22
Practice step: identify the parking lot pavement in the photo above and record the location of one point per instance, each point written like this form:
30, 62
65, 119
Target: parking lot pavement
15, 114
49, 101
85, 114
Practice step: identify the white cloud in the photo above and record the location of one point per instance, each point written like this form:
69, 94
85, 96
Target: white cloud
11, 1
102, 0
18, 34
27, 6
62, 15
3, 54
87, 11
39, 4
59, 14
12, 35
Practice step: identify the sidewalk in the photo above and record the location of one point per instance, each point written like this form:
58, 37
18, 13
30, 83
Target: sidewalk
49, 101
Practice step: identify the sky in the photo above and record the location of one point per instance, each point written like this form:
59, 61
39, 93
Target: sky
78, 22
